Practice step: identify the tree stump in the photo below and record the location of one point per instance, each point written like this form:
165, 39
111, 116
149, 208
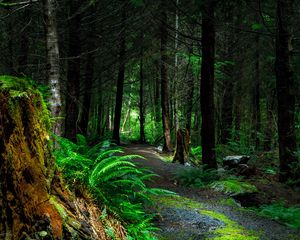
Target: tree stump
34, 204
183, 148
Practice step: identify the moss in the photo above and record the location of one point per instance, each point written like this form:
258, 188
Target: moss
229, 202
233, 187
231, 229
179, 202
64, 214
22, 89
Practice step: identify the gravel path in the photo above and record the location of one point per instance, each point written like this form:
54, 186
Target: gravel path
189, 223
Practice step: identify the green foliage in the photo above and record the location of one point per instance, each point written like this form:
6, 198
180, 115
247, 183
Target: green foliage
21, 87
196, 153
277, 211
195, 177
26, 88
113, 179
235, 147
233, 187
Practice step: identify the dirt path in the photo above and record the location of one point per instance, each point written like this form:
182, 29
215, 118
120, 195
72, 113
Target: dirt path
199, 214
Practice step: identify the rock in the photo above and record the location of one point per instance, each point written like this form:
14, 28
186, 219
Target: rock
234, 161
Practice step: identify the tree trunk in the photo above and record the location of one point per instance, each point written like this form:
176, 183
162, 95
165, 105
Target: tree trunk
53, 71
207, 87
256, 96
120, 82
285, 89
183, 148
189, 85
23, 57
164, 81
269, 131
89, 77
228, 83
73, 74
141, 105
156, 97
33, 198
176, 104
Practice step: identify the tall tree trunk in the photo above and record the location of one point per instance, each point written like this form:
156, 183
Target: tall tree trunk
207, 87
10, 44
176, 104
89, 77
157, 95
120, 81
189, 95
141, 105
256, 96
285, 89
23, 57
189, 102
53, 71
269, 133
73, 74
228, 84
164, 81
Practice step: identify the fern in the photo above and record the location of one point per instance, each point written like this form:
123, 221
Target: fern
113, 179
290, 216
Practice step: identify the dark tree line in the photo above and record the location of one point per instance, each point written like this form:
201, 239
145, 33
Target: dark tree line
110, 69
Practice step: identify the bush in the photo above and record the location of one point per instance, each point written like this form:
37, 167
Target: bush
195, 177
277, 211
113, 180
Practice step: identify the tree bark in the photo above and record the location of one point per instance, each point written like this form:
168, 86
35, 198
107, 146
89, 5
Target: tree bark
256, 96
183, 148
189, 85
33, 198
120, 81
73, 74
141, 104
53, 71
285, 86
164, 81
207, 87
89, 77
228, 83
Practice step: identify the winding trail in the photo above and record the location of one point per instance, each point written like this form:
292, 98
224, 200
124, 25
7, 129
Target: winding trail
201, 214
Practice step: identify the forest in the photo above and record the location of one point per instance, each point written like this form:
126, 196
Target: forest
149, 120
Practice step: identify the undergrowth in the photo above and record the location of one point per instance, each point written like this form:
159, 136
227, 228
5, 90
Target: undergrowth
114, 181
221, 182
195, 177
277, 211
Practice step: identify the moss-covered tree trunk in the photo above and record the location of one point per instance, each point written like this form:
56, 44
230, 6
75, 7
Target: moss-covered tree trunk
34, 204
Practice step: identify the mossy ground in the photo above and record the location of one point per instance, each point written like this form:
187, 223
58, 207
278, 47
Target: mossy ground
228, 230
